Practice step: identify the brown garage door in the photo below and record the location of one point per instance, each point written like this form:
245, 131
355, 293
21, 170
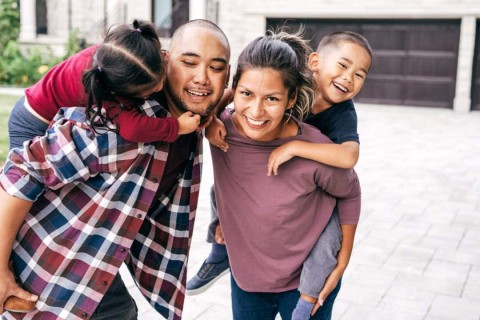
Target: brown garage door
476, 73
415, 61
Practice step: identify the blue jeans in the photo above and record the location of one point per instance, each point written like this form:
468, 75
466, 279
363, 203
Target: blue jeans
266, 305
23, 125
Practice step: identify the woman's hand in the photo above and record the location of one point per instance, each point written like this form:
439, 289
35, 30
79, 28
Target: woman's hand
9, 288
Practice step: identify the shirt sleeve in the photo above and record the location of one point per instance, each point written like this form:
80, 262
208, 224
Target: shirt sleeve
140, 128
345, 186
68, 152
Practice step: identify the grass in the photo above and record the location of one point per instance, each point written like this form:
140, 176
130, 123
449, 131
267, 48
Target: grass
6, 105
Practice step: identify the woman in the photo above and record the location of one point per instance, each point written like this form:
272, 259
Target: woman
271, 223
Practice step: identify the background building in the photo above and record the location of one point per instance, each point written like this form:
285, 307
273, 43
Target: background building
426, 52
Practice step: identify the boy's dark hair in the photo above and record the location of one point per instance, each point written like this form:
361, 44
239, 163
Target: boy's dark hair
337, 37
127, 63
288, 54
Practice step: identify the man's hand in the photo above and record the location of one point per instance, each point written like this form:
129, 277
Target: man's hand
12, 297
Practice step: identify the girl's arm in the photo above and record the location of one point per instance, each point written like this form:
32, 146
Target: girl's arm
137, 127
343, 155
12, 214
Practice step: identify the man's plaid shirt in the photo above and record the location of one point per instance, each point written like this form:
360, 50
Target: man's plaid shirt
92, 192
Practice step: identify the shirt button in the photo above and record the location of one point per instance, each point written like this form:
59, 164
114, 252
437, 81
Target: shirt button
123, 250
139, 215
84, 314
104, 282
155, 180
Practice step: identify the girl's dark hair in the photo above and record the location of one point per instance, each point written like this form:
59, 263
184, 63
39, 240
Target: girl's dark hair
127, 63
288, 54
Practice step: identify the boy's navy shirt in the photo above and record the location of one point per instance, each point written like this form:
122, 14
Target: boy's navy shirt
339, 122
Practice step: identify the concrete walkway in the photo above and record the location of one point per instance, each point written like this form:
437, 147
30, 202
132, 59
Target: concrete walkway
417, 251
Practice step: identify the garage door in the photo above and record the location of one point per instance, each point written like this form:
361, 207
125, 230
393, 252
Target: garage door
415, 61
476, 74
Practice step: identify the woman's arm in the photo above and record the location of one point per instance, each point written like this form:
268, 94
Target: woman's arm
343, 155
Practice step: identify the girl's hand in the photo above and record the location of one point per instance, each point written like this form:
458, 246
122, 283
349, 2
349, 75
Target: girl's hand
216, 133
188, 122
278, 156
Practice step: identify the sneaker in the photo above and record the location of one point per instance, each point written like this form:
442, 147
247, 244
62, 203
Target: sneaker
206, 276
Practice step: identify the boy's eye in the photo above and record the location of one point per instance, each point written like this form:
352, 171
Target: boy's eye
343, 65
359, 75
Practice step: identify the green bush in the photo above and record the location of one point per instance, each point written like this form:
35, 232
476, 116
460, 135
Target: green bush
24, 68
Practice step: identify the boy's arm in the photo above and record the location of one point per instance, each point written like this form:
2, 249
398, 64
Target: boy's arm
343, 258
216, 132
344, 155
12, 214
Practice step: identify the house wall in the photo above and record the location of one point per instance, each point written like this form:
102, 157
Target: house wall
244, 20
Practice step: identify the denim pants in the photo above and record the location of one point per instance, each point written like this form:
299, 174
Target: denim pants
266, 305
116, 304
23, 125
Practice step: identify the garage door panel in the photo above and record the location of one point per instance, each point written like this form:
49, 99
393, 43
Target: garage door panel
424, 92
431, 66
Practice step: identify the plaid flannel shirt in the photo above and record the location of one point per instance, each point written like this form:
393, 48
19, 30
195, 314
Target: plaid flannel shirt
92, 195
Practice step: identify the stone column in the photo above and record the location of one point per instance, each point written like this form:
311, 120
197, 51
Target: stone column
28, 24
462, 101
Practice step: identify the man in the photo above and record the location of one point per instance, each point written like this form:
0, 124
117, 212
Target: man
79, 203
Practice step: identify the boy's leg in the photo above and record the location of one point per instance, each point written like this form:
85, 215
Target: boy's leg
318, 266
322, 259
117, 303
252, 305
216, 264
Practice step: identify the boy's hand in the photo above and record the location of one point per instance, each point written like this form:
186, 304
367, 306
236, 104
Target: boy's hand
9, 288
330, 284
219, 235
188, 122
216, 133
278, 156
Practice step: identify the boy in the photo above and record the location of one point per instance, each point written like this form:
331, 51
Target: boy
340, 66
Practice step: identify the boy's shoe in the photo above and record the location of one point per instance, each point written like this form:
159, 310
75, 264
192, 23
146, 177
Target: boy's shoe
18, 305
206, 276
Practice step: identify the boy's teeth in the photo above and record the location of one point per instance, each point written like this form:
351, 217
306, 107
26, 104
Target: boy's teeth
340, 87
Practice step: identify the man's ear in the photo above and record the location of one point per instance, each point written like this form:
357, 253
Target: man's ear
313, 61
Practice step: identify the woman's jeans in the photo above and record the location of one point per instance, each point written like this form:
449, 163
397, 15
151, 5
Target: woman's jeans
266, 305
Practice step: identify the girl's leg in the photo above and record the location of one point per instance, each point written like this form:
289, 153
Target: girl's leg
286, 303
23, 125
252, 305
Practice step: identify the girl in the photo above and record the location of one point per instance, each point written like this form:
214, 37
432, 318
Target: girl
117, 75
271, 224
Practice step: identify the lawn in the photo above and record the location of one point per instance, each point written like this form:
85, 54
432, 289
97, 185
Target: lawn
6, 105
